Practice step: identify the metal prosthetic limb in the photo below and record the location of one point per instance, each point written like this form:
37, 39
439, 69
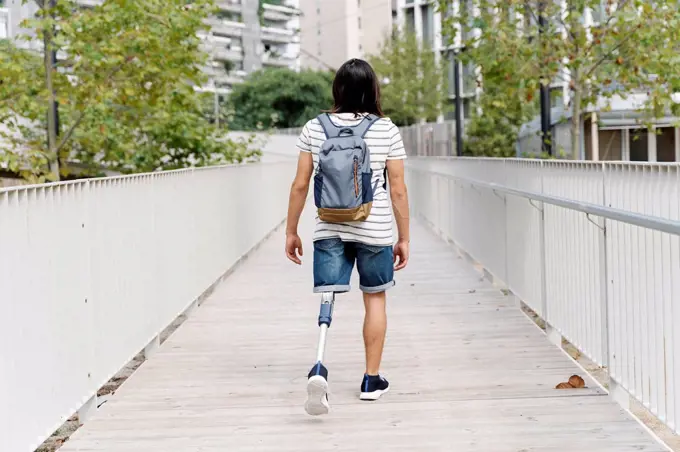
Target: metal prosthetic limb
325, 319
317, 383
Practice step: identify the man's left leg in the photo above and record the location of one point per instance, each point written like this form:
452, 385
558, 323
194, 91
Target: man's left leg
375, 327
376, 275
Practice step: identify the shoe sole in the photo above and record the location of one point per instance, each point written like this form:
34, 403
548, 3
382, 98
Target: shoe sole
375, 395
317, 390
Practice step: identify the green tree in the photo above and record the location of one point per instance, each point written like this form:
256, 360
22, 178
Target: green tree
279, 98
413, 82
630, 47
125, 90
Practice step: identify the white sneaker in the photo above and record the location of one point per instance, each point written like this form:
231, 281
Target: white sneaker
317, 396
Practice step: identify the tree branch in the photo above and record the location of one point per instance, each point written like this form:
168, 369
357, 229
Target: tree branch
608, 55
81, 115
620, 4
70, 131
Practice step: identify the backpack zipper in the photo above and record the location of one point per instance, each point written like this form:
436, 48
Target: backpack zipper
356, 177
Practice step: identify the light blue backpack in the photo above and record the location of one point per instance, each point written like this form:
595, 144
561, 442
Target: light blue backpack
342, 183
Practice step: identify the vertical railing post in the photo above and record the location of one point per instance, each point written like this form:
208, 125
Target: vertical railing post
506, 275
553, 334
542, 252
616, 391
604, 278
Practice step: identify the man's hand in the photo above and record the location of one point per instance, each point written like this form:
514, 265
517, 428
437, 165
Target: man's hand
293, 245
401, 251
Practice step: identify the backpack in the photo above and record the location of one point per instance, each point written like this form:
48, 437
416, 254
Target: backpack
342, 183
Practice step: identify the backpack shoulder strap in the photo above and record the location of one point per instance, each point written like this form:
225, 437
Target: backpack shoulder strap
365, 124
330, 129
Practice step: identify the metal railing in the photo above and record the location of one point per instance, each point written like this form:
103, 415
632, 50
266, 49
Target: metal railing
592, 248
91, 272
428, 139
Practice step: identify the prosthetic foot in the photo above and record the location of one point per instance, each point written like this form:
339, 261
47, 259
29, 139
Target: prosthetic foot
317, 382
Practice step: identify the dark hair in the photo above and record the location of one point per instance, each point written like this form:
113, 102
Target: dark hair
356, 89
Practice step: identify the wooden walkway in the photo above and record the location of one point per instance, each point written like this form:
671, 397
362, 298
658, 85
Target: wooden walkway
469, 372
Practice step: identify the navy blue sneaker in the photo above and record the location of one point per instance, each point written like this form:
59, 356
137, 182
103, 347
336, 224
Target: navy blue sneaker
373, 386
317, 391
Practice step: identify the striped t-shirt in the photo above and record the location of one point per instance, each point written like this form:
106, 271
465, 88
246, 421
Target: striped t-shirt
384, 143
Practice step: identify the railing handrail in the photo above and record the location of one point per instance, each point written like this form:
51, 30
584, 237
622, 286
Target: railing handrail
610, 213
591, 163
16, 188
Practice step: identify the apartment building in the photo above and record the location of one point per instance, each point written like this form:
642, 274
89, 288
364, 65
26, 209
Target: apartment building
422, 18
242, 38
333, 31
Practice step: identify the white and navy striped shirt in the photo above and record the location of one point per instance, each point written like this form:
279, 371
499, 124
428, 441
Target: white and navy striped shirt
384, 142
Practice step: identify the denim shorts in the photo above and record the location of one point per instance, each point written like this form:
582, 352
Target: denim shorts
334, 262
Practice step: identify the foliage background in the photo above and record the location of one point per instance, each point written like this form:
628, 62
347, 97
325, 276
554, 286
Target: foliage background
125, 90
632, 48
413, 83
279, 98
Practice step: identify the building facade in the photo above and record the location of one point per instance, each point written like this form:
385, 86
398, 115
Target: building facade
248, 35
245, 35
423, 18
334, 31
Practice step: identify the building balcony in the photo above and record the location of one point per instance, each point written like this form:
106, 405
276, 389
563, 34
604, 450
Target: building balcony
228, 54
287, 11
276, 16
277, 35
221, 77
222, 53
232, 78
278, 60
226, 27
233, 6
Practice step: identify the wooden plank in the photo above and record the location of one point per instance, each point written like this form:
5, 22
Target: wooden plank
469, 372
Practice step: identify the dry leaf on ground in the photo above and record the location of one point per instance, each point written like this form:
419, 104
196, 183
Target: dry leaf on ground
575, 382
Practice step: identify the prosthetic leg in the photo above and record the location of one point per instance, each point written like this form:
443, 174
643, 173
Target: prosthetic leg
317, 382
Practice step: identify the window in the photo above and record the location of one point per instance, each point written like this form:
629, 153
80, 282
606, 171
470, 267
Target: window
427, 13
638, 145
410, 20
469, 79
556, 97
665, 145
451, 75
359, 22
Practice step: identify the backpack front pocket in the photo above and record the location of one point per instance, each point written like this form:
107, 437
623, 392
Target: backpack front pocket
318, 187
367, 190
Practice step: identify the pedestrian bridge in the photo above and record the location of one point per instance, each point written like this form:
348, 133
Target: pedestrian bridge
513, 264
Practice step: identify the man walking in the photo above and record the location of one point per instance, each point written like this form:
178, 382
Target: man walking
360, 233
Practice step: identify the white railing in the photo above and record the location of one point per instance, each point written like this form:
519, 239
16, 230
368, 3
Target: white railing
91, 272
582, 245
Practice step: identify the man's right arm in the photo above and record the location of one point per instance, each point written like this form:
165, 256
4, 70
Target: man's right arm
399, 197
298, 195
